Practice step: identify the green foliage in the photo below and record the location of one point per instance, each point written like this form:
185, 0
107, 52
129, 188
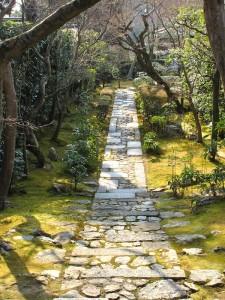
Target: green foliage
151, 144
195, 59
158, 123
142, 79
75, 164
211, 182
86, 143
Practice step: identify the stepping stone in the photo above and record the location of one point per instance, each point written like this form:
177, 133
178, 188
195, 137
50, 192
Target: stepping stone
188, 238
113, 175
204, 276
111, 141
152, 246
124, 271
171, 214
115, 195
115, 147
134, 152
91, 290
143, 261
135, 144
114, 134
110, 164
176, 224
130, 236
192, 251
107, 184
132, 251
147, 226
124, 213
51, 256
162, 289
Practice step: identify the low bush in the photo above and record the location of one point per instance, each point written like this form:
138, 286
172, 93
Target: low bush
151, 144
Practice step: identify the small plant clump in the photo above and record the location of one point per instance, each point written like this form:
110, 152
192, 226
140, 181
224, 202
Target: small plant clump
151, 144
210, 182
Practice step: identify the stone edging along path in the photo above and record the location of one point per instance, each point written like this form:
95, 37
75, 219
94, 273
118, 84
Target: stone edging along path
123, 253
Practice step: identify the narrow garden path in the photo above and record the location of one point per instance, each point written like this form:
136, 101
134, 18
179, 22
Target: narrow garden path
123, 253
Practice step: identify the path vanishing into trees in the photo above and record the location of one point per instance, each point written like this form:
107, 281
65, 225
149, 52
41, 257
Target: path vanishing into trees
123, 253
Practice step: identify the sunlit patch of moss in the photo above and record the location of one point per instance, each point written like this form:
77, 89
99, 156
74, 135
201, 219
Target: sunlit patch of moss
159, 169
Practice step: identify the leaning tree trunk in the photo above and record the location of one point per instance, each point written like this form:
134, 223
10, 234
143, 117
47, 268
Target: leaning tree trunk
9, 133
215, 115
148, 67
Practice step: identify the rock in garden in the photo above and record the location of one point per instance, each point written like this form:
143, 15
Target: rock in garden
191, 286
143, 261
162, 289
5, 246
123, 260
211, 277
171, 214
176, 224
219, 249
112, 288
91, 290
64, 237
52, 154
53, 274
112, 296
26, 238
192, 251
188, 238
51, 256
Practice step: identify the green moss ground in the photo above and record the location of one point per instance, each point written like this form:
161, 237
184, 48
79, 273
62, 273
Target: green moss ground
35, 206
183, 149
206, 220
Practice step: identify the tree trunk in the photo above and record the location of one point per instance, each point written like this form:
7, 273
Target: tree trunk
60, 108
9, 133
147, 66
215, 23
215, 115
58, 126
197, 120
192, 106
34, 148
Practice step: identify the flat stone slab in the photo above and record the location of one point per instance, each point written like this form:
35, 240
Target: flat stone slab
110, 164
51, 256
192, 251
188, 238
112, 140
203, 276
135, 144
171, 214
146, 226
113, 175
105, 213
132, 251
115, 147
124, 271
130, 236
134, 152
152, 246
115, 195
176, 224
162, 289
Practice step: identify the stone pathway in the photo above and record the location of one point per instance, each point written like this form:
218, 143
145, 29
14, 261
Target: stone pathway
123, 253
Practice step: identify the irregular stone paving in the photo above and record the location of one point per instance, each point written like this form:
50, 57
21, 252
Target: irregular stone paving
123, 253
